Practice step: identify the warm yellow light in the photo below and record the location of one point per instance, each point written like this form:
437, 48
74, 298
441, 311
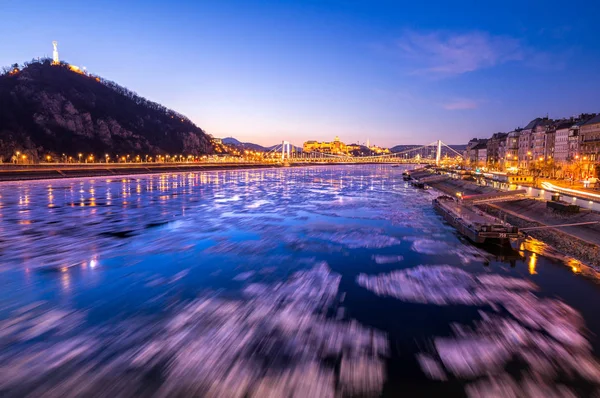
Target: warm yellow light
75, 69
532, 264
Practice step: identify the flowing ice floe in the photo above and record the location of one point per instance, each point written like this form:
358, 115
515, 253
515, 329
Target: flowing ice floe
277, 342
381, 259
545, 334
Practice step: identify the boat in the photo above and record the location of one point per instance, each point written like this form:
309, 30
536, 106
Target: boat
395, 165
474, 224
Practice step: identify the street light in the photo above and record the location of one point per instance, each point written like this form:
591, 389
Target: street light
80, 155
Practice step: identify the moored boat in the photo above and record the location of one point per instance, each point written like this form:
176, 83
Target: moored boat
474, 224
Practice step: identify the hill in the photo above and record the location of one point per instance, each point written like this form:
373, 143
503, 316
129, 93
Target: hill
52, 110
256, 147
244, 145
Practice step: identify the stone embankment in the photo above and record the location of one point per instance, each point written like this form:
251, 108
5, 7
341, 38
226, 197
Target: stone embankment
47, 172
580, 242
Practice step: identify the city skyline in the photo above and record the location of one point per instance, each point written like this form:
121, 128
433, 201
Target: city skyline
394, 74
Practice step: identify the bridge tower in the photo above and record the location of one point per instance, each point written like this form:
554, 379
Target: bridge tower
55, 60
285, 149
438, 153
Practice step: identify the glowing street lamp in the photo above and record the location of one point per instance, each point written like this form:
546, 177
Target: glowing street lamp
80, 155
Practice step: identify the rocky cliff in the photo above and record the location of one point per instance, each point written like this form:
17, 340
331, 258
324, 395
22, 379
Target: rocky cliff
51, 110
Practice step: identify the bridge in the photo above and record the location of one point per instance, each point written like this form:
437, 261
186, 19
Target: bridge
434, 153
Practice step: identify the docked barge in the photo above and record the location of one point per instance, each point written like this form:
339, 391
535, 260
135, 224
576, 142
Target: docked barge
474, 224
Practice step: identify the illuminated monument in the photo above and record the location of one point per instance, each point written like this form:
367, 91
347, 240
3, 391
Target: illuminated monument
55, 60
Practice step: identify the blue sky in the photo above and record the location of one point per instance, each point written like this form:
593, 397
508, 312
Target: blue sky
388, 71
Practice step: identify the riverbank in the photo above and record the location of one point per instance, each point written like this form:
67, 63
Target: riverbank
49, 172
14, 173
580, 242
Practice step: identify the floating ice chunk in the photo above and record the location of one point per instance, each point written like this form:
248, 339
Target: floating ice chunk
361, 376
178, 276
424, 284
243, 276
472, 357
355, 239
381, 259
504, 282
431, 247
431, 367
497, 386
257, 203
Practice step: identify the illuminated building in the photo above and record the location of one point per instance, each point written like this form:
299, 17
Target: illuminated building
336, 147
590, 145
379, 150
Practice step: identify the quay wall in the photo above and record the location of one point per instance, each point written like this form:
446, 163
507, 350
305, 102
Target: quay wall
579, 242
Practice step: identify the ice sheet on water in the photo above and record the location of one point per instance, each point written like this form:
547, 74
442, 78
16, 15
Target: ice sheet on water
432, 247
546, 334
278, 342
381, 259
243, 276
370, 238
465, 253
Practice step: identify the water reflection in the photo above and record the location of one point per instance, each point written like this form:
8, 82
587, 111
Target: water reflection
318, 281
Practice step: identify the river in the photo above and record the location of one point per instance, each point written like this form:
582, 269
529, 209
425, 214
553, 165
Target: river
310, 281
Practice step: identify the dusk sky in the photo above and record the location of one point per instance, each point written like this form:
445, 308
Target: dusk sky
388, 71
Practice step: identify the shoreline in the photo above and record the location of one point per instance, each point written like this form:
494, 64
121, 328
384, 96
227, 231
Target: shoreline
579, 242
16, 173
43, 172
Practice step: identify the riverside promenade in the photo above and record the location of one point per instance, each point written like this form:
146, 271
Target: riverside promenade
581, 242
82, 170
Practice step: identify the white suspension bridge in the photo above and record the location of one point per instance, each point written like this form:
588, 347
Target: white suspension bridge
436, 152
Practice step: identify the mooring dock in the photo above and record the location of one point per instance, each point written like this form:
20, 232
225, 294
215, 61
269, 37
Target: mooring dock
476, 225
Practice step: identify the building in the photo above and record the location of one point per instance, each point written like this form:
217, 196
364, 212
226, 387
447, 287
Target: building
532, 142
476, 152
482, 155
574, 141
512, 150
561, 141
590, 146
336, 147
540, 139
469, 155
550, 142
525, 154
496, 150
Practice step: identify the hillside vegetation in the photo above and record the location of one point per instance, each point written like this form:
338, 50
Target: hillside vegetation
51, 110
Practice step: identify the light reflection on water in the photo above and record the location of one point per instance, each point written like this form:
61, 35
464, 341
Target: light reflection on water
252, 282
